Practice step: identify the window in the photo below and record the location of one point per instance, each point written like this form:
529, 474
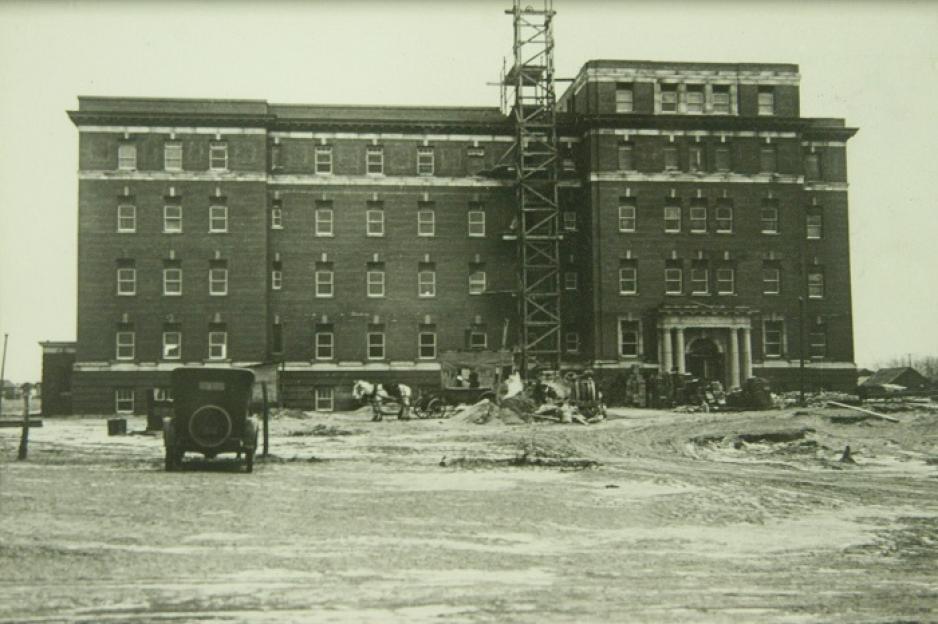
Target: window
766, 101
627, 217
673, 280
721, 99
768, 161
695, 158
276, 279
818, 342
425, 161
172, 345
772, 332
375, 222
325, 345
126, 218
217, 345
124, 400
672, 218
426, 345
476, 223
374, 161
162, 394
478, 340
126, 156
698, 218
721, 158
626, 162
276, 157
376, 345
426, 283
324, 159
172, 156
628, 338
426, 222
724, 219
218, 281
726, 281
628, 280
172, 281
671, 162
815, 284
769, 219
569, 221
570, 280
172, 219
669, 98
771, 280
475, 160
699, 279
325, 399
814, 226
218, 219
571, 342
812, 166
375, 279
477, 282
127, 281
218, 157
325, 222
325, 285
125, 345
276, 218
624, 98
694, 99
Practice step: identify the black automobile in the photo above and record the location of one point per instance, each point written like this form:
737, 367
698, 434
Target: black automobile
211, 415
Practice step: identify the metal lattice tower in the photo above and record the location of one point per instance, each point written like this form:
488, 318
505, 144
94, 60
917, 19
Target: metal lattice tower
531, 78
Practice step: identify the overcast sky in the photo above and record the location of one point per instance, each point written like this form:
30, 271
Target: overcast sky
873, 63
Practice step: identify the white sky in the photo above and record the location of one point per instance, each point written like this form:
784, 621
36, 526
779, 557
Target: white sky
873, 63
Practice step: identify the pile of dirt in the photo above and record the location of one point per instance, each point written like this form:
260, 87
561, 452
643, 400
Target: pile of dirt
486, 412
325, 430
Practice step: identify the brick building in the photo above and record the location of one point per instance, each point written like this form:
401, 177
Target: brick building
344, 242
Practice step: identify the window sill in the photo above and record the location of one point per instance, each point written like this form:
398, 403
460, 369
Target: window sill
419, 235
217, 294
700, 294
628, 294
276, 227
218, 231
770, 233
324, 297
426, 296
729, 294
723, 232
374, 235
166, 294
318, 235
324, 173
375, 296
126, 231
219, 170
673, 294
771, 294
133, 294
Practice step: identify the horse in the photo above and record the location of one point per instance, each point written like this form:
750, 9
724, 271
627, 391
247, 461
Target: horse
377, 393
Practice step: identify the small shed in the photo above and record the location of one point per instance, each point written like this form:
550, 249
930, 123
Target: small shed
890, 379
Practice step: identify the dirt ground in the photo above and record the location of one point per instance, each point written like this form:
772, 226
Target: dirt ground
430, 521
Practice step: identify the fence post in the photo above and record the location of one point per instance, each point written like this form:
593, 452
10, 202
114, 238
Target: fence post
24, 438
266, 415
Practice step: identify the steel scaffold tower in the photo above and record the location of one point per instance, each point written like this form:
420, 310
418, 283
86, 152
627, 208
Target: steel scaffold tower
536, 174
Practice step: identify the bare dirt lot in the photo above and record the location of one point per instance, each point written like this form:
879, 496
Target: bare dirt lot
430, 521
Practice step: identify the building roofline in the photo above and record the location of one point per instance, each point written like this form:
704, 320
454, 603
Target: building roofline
645, 64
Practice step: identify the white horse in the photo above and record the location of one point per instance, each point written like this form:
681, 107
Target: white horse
378, 393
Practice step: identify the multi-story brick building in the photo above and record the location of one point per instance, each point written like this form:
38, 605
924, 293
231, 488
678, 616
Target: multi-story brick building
345, 242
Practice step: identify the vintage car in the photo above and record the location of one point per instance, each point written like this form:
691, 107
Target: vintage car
211, 415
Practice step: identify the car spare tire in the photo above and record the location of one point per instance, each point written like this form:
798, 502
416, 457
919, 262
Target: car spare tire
210, 426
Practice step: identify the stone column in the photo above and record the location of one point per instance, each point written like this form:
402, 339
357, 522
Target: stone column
747, 353
734, 357
667, 361
679, 350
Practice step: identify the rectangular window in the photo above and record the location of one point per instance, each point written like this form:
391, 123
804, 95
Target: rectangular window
726, 281
325, 222
815, 284
672, 218
768, 160
126, 156
478, 340
325, 399
772, 338
218, 219
172, 156
570, 280
276, 218
325, 284
477, 282
766, 101
426, 222
771, 280
812, 166
626, 162
162, 394
818, 342
172, 345
124, 400
376, 345
426, 283
476, 223
627, 217
721, 158
724, 219
698, 218
814, 226
426, 345
125, 345
671, 162
769, 219
126, 218
374, 161
624, 97
425, 161
218, 157
375, 222
172, 219
172, 282
375, 283
721, 99
325, 345
673, 280
324, 159
695, 158
218, 281
694, 99
217, 345
571, 342
276, 279
669, 98
127, 281
628, 338
628, 280
699, 280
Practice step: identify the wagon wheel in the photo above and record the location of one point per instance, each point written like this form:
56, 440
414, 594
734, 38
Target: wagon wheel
436, 408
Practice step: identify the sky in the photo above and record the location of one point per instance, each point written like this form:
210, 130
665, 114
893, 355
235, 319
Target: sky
873, 63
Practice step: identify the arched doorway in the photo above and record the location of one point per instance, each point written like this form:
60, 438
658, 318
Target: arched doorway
704, 360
